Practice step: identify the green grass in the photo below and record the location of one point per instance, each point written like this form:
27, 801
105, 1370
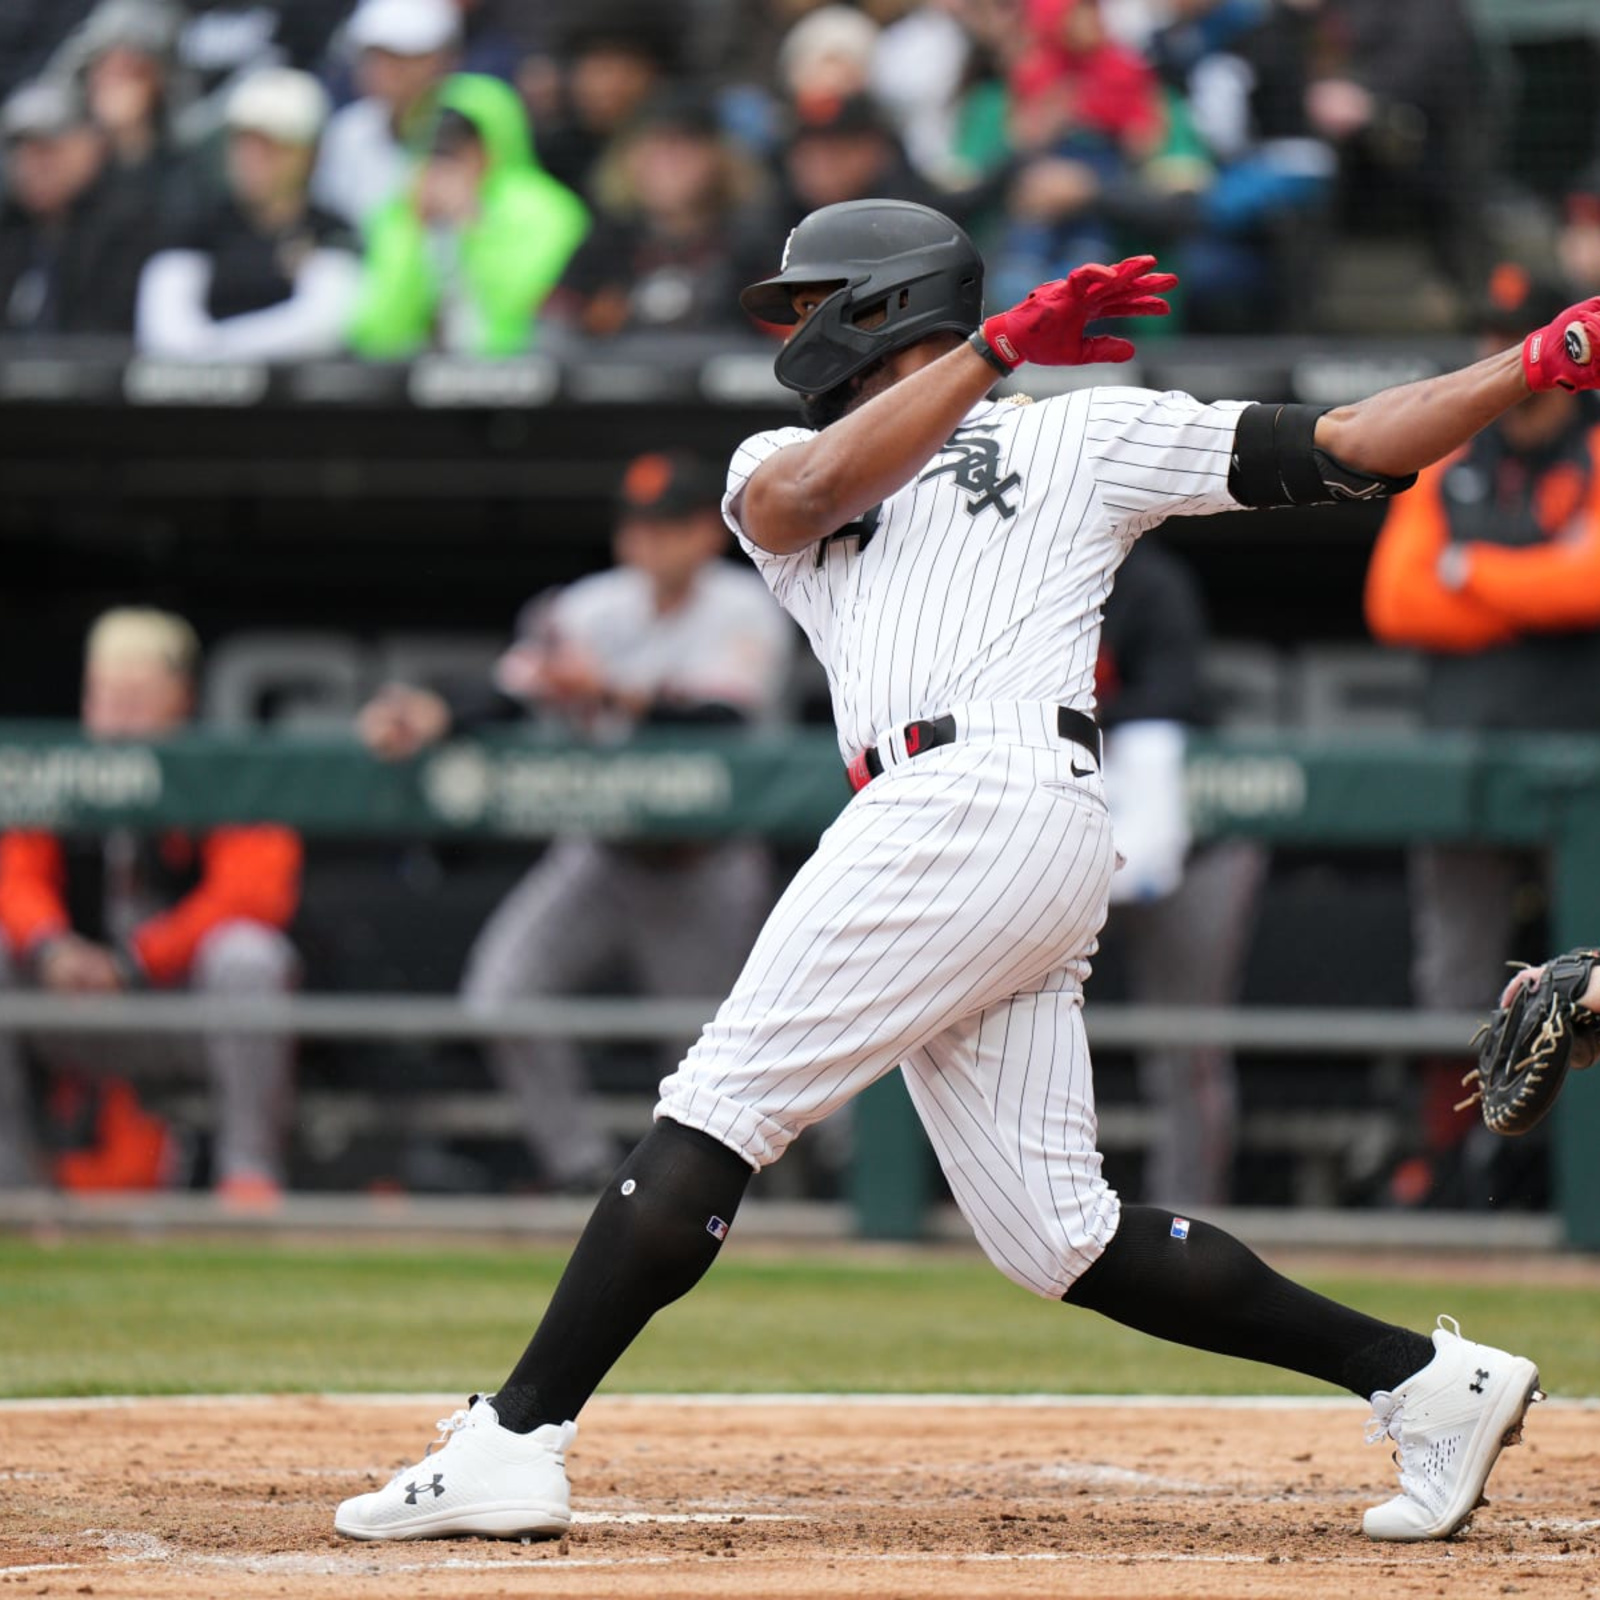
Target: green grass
137, 1318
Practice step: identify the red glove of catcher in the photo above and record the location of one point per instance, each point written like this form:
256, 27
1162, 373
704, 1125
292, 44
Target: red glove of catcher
1565, 353
1047, 328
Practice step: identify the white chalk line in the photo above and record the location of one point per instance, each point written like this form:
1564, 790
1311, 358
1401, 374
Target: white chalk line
323, 1566
998, 1402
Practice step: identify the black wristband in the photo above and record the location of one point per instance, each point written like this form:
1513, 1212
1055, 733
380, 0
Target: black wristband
979, 343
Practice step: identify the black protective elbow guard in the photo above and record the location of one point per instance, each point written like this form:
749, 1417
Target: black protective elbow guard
1276, 462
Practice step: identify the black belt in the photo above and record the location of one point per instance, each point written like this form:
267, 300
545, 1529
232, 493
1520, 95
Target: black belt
1074, 726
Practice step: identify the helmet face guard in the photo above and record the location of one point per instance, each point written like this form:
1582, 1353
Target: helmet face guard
896, 271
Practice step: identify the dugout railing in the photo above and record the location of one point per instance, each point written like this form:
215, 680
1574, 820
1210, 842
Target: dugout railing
1294, 790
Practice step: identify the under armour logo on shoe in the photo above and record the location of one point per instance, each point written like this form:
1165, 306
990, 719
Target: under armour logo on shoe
414, 1489
1483, 1378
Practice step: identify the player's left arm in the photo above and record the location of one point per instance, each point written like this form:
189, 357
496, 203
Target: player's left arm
1397, 432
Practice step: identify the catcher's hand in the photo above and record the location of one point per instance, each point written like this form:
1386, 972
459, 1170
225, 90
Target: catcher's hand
1538, 1030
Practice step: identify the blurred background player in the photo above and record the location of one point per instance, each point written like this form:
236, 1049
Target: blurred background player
672, 635
261, 274
1490, 567
1181, 912
118, 912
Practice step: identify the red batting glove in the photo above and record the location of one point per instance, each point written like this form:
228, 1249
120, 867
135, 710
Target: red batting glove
1565, 353
1047, 328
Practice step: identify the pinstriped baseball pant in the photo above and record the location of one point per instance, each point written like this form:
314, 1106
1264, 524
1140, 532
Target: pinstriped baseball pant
944, 926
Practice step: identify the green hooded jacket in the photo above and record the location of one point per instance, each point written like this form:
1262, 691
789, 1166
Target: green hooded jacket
483, 283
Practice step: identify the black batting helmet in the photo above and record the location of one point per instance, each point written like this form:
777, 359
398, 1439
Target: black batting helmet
901, 271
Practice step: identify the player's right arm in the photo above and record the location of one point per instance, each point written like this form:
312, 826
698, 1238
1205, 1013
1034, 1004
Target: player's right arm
812, 488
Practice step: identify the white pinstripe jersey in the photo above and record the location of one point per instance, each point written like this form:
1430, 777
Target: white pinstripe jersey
982, 580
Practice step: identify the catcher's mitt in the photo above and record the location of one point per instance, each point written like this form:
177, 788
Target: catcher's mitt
1536, 1033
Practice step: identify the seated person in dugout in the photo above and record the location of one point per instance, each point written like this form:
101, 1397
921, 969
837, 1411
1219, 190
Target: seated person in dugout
116, 912
670, 635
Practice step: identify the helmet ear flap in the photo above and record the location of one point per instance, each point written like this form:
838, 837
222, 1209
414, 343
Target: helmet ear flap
829, 347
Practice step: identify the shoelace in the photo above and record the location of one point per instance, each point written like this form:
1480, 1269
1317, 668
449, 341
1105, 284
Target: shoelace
1388, 1422
1388, 1411
446, 1426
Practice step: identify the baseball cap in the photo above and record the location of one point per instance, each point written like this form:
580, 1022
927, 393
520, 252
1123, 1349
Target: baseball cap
1517, 301
404, 27
288, 106
41, 110
668, 483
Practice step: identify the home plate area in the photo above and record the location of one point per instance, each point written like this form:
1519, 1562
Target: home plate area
852, 1496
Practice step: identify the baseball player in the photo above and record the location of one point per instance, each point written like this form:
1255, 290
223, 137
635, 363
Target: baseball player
671, 636
948, 556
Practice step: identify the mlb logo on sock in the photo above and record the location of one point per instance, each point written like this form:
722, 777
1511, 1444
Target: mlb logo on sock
717, 1228
1180, 1227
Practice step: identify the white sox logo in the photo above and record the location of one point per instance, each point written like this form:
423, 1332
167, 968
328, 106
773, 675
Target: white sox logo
976, 469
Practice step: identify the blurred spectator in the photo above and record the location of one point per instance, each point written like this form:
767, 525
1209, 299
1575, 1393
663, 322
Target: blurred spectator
1075, 89
405, 50
223, 42
671, 636
846, 150
1579, 241
264, 276
680, 231
1096, 109
72, 239
102, 915
826, 58
919, 66
1245, 242
124, 57
1183, 913
1404, 93
1491, 567
610, 65
464, 259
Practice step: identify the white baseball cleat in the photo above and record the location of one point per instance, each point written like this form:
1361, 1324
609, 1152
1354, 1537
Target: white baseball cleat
478, 1478
1449, 1423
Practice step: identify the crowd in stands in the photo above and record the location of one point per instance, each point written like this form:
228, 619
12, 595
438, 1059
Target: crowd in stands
282, 179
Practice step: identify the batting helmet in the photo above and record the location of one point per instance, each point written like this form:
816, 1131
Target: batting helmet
900, 272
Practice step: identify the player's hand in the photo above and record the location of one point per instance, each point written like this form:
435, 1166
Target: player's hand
1048, 327
573, 677
1565, 353
399, 721
73, 965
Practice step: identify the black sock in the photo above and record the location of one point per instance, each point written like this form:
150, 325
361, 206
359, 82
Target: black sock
653, 1234
1209, 1291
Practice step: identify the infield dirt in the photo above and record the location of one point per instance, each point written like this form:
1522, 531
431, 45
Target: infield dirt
193, 1498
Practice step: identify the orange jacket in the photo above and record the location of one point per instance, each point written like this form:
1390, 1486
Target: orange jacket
1508, 591
250, 873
